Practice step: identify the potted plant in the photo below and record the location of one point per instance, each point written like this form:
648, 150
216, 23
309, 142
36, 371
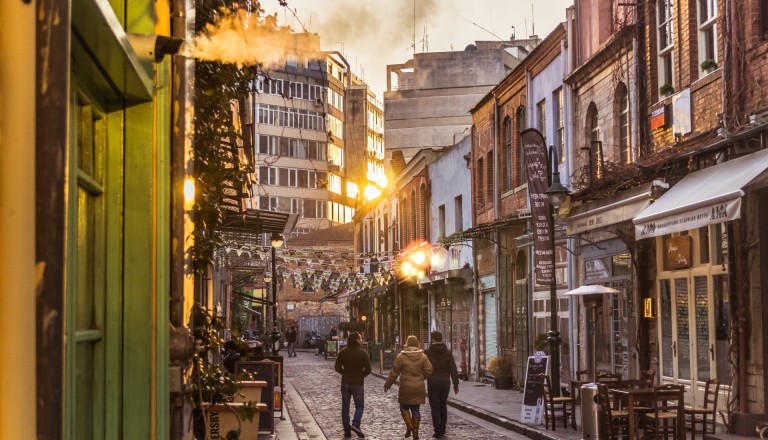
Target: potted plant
501, 370
666, 90
708, 66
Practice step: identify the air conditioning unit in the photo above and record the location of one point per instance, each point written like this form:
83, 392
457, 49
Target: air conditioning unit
319, 102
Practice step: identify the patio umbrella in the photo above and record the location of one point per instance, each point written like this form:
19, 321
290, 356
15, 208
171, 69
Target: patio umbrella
593, 297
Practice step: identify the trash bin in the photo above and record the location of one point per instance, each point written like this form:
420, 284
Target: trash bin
590, 414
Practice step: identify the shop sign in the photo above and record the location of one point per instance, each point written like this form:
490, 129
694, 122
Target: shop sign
659, 118
678, 252
537, 171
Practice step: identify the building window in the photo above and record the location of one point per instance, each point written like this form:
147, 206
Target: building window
595, 145
508, 185
412, 223
520, 175
441, 222
763, 20
458, 214
423, 212
267, 176
489, 177
622, 102
480, 186
559, 115
665, 35
541, 109
707, 11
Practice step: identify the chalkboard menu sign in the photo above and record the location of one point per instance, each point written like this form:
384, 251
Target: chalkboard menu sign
533, 396
265, 370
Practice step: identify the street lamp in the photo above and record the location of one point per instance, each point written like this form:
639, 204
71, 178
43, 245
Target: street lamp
556, 193
277, 241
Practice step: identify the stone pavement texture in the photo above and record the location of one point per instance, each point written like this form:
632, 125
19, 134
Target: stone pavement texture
478, 412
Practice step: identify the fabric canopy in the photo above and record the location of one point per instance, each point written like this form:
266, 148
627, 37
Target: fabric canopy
710, 196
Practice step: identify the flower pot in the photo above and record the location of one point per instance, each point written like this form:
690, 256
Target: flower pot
250, 391
223, 418
502, 383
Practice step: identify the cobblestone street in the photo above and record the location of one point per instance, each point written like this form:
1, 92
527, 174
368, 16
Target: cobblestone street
318, 385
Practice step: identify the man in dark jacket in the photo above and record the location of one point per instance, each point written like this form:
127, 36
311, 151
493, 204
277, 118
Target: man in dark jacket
354, 365
290, 336
439, 384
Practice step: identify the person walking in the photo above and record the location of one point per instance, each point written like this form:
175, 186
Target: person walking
413, 366
353, 363
291, 336
439, 384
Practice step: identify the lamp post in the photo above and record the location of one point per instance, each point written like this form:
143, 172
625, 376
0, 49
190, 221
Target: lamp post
556, 194
277, 241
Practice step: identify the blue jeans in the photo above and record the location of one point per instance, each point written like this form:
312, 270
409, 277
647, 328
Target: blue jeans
291, 349
438, 391
414, 409
356, 392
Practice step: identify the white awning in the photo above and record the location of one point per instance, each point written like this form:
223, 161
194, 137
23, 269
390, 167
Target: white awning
710, 196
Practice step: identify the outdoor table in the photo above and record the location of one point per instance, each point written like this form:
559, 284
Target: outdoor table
634, 395
576, 389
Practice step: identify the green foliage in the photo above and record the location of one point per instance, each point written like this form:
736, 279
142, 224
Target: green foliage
708, 64
666, 89
499, 366
217, 166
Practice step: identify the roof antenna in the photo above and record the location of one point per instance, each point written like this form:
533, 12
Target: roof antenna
533, 22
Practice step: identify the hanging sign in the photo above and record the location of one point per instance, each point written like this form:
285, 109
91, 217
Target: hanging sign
537, 171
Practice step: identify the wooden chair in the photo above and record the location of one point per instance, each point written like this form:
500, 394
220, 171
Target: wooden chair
661, 422
623, 385
649, 378
704, 415
557, 407
608, 377
615, 422
580, 378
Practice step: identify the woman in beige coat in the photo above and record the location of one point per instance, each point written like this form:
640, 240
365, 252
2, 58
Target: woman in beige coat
413, 366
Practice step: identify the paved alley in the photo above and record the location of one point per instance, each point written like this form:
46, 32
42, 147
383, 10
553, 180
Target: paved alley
318, 385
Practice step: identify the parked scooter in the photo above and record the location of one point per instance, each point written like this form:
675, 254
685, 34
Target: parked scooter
311, 340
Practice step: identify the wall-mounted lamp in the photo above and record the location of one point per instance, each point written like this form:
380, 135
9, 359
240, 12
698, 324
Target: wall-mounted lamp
723, 133
658, 187
153, 47
678, 137
755, 120
189, 193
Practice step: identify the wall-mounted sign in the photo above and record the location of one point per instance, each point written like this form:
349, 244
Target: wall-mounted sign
677, 254
659, 117
648, 308
681, 112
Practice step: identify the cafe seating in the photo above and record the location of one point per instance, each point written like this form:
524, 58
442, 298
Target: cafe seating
580, 378
667, 406
615, 421
624, 384
608, 377
649, 377
557, 407
704, 415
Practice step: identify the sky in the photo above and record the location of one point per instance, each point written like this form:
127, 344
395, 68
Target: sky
374, 33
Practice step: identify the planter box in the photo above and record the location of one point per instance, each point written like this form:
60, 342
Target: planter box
224, 417
250, 391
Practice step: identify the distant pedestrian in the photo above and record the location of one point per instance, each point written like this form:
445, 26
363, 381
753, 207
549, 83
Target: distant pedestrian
439, 384
353, 363
291, 336
413, 366
333, 333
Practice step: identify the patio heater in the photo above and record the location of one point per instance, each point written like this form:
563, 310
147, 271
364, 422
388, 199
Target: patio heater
593, 298
590, 421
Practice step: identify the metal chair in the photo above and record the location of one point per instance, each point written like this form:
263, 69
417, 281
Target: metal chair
661, 422
615, 422
704, 415
557, 407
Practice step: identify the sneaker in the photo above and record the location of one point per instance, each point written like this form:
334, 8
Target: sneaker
357, 431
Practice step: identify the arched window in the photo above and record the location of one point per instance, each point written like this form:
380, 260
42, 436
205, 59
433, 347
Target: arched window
622, 121
595, 145
403, 223
412, 223
520, 174
423, 212
508, 184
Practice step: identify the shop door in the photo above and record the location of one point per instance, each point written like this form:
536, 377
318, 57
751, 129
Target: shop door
694, 309
521, 329
491, 348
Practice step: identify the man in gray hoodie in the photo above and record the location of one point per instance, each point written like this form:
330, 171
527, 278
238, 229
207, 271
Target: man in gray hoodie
439, 384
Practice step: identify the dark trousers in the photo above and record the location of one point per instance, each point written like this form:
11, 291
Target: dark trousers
438, 391
352, 392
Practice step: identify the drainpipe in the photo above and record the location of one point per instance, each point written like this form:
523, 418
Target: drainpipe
496, 210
